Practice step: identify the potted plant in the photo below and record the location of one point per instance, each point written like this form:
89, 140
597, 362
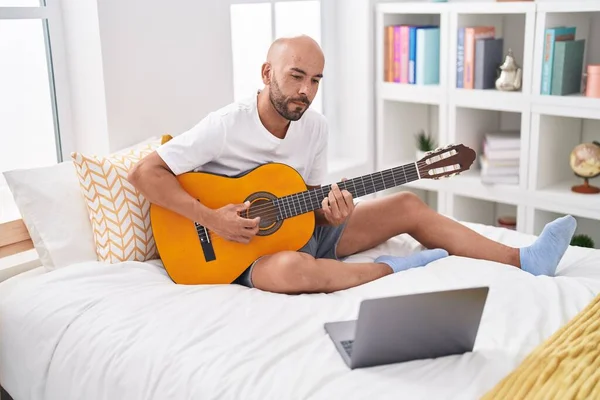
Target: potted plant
582, 241
424, 143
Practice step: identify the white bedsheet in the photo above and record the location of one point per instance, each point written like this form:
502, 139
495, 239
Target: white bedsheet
125, 331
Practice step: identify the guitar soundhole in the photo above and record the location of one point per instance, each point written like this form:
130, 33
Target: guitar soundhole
261, 205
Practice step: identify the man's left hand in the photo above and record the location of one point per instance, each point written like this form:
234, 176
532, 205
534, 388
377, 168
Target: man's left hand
338, 205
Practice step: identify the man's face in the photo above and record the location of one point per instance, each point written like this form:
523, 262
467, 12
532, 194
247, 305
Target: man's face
293, 89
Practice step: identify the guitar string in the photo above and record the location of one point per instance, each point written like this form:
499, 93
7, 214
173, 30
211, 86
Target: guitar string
272, 206
276, 212
288, 199
214, 237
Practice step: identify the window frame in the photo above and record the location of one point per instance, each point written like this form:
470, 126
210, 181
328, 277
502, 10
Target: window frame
49, 13
328, 35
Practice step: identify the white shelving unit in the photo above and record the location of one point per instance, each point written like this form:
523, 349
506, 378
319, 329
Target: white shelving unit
550, 126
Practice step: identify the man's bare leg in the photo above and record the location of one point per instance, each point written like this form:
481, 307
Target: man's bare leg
375, 221
378, 220
295, 272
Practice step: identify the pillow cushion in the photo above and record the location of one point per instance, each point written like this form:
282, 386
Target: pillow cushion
118, 213
54, 212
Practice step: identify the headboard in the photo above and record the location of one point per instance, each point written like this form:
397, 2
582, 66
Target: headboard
14, 238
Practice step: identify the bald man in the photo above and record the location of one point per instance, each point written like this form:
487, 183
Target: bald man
277, 125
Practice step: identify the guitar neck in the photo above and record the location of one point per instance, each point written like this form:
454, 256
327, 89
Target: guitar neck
310, 200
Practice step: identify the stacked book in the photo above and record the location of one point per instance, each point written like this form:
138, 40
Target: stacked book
412, 54
562, 66
479, 54
500, 158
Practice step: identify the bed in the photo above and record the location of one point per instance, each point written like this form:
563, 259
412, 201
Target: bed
93, 330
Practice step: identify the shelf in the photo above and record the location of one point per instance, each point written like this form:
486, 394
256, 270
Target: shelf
559, 197
412, 8
550, 126
479, 211
490, 99
570, 6
492, 8
576, 105
399, 122
551, 177
469, 184
424, 94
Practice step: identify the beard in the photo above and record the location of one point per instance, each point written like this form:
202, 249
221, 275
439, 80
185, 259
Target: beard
282, 104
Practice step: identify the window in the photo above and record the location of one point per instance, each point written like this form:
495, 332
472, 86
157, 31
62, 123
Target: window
255, 24
28, 117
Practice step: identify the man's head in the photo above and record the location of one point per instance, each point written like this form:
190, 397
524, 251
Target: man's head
292, 73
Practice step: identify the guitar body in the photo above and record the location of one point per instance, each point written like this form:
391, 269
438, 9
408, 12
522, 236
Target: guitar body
192, 254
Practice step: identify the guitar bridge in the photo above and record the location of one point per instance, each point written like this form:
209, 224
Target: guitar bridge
205, 242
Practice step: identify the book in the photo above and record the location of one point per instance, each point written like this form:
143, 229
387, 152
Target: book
567, 67
388, 57
551, 36
396, 64
404, 48
460, 58
503, 139
488, 57
501, 158
428, 56
412, 53
471, 35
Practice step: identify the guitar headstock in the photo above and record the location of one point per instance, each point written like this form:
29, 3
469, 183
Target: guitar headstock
446, 161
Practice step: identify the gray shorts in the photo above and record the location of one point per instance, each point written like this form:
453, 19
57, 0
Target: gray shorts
322, 244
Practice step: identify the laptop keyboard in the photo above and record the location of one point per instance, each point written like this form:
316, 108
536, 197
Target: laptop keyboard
347, 345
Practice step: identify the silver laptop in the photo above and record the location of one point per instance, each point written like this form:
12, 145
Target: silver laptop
410, 327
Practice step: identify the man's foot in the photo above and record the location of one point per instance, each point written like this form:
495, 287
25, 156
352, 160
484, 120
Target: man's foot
543, 256
419, 259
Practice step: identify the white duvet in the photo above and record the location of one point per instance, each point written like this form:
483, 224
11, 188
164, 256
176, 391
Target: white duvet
125, 331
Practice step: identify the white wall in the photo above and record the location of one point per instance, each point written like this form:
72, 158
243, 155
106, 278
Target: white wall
140, 69
83, 59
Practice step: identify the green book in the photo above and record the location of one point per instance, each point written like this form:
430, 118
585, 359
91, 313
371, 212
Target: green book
567, 67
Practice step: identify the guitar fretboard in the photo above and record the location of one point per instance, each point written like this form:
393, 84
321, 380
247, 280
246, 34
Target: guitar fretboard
310, 200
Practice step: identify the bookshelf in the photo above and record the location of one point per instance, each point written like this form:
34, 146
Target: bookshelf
549, 125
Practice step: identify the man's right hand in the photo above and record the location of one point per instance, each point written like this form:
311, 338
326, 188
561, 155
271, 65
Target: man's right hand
228, 224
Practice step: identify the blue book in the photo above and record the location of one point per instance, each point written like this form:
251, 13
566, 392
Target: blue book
460, 58
567, 67
412, 53
551, 36
428, 56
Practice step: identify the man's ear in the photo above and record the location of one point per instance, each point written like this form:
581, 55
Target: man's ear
266, 73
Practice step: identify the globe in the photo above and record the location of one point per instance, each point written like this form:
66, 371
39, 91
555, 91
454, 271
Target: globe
585, 163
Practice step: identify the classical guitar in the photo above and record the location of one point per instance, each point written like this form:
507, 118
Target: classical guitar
192, 254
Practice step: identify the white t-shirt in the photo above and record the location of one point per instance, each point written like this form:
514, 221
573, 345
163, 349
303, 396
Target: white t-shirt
233, 140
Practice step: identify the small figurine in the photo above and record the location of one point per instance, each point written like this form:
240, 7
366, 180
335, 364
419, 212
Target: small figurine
510, 75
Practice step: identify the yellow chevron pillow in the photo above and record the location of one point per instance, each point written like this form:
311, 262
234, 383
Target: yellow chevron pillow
119, 214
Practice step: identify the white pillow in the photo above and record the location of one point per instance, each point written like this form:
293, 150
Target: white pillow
54, 212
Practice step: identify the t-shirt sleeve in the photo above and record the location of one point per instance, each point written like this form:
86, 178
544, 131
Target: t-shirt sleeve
195, 147
318, 172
